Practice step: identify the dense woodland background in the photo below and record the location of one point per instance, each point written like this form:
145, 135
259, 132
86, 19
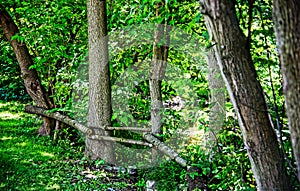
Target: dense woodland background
225, 58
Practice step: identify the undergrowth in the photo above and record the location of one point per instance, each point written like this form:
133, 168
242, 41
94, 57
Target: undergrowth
31, 162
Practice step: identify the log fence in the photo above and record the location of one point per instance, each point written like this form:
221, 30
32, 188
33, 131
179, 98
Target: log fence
151, 140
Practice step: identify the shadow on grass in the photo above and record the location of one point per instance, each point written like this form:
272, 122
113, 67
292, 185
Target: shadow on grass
31, 162
23, 154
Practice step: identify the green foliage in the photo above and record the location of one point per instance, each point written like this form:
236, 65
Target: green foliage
168, 176
56, 34
228, 169
11, 84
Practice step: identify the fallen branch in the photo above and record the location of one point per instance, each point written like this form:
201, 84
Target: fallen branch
164, 149
153, 141
120, 140
142, 129
59, 117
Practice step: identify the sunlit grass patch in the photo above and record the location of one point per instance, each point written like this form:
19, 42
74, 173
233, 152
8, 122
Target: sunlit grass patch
3, 104
47, 154
6, 138
7, 115
12, 107
53, 187
31, 162
23, 144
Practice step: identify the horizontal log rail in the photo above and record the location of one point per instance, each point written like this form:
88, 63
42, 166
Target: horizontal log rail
142, 129
56, 115
164, 149
152, 141
120, 140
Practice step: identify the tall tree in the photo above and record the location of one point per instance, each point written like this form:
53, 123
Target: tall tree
217, 97
157, 72
286, 16
237, 68
100, 111
31, 79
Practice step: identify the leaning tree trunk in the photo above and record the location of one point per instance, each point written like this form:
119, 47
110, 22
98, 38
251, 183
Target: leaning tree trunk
31, 80
100, 109
237, 68
286, 15
157, 72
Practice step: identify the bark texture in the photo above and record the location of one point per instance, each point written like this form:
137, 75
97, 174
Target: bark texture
217, 99
157, 72
140, 129
30, 76
164, 149
286, 15
100, 111
237, 68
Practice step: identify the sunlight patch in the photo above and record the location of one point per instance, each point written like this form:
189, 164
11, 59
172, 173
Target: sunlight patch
52, 187
25, 162
7, 115
6, 138
22, 144
2, 185
47, 154
4, 104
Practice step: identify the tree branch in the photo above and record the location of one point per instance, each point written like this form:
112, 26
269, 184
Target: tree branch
142, 129
120, 140
59, 117
150, 138
164, 149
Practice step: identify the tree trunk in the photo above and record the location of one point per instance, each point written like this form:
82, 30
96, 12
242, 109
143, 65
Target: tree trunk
100, 110
237, 68
286, 15
157, 72
31, 80
217, 97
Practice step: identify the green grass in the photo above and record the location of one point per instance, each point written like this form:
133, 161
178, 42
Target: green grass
31, 162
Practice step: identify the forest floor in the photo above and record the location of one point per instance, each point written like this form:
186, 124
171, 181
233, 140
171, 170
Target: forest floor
31, 162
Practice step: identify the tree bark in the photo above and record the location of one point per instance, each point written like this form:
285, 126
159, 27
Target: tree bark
217, 99
286, 15
139, 129
164, 149
30, 76
239, 74
100, 110
157, 72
